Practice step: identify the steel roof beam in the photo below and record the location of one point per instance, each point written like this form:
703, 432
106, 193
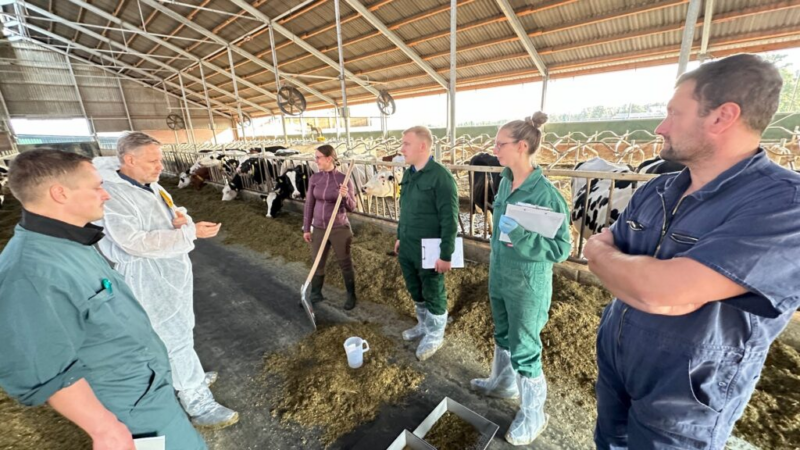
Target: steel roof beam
688, 35
707, 18
304, 45
258, 31
373, 19
130, 67
175, 49
101, 67
519, 30
177, 17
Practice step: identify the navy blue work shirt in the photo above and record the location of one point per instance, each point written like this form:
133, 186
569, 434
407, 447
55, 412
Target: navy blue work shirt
745, 224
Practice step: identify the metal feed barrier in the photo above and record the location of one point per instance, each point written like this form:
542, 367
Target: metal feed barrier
472, 225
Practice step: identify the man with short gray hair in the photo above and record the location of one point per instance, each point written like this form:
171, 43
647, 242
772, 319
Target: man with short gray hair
73, 334
149, 240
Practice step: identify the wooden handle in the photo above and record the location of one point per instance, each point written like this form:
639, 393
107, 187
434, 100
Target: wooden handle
330, 226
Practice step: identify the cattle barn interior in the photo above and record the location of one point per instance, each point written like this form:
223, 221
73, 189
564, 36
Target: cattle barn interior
240, 93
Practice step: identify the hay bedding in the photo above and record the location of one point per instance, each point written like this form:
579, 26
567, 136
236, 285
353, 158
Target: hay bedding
772, 418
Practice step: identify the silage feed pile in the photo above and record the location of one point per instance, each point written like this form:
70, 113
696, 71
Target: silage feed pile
317, 388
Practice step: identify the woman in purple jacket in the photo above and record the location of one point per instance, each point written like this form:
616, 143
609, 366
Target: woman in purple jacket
324, 188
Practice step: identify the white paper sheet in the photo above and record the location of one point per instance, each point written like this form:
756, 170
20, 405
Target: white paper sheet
431, 251
152, 443
536, 219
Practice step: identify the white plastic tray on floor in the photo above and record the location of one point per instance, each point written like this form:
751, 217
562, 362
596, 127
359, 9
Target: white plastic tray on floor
407, 440
485, 427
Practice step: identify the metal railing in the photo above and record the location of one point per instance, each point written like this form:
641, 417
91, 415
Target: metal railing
472, 224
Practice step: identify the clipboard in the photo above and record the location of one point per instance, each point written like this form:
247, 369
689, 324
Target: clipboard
431, 251
151, 443
537, 219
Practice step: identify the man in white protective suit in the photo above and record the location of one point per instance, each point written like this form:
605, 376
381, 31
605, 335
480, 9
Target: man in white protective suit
148, 240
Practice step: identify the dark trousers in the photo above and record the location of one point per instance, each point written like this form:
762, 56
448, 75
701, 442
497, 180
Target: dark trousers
656, 390
341, 239
426, 286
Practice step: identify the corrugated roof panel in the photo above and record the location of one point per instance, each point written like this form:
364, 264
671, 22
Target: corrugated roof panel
399, 10
131, 12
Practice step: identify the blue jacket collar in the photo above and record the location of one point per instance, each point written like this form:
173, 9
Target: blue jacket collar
683, 180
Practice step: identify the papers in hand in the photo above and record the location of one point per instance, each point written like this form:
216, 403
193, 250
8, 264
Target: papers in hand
431, 252
536, 219
152, 443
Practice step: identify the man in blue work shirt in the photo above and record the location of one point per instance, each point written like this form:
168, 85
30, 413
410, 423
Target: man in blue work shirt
73, 334
703, 265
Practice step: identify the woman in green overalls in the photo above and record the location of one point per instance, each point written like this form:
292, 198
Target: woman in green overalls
521, 279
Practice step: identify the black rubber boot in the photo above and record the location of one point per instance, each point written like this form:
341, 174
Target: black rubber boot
316, 288
350, 285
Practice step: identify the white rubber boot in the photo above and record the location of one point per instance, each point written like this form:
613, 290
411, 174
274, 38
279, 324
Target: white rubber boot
531, 419
210, 378
434, 335
502, 383
419, 329
204, 411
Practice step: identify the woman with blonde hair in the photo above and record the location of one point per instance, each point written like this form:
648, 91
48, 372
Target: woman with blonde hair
521, 277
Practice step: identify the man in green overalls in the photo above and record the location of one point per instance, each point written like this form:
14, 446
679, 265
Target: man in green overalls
73, 334
428, 210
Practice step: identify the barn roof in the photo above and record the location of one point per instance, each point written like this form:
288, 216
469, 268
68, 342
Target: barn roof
154, 40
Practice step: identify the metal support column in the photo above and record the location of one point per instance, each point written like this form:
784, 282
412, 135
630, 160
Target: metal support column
7, 119
336, 118
169, 111
794, 93
688, 35
188, 113
277, 78
80, 99
706, 30
285, 134
236, 91
451, 109
545, 82
125, 104
345, 111
208, 105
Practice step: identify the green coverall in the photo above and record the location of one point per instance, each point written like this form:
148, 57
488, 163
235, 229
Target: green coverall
65, 314
521, 273
428, 209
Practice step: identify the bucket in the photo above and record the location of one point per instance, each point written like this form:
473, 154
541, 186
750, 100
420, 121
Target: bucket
355, 348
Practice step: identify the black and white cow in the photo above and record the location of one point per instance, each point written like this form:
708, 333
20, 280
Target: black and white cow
595, 213
259, 169
483, 195
3, 182
272, 149
298, 177
658, 166
274, 200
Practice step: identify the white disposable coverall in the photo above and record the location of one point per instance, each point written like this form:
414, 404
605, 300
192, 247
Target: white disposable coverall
153, 257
